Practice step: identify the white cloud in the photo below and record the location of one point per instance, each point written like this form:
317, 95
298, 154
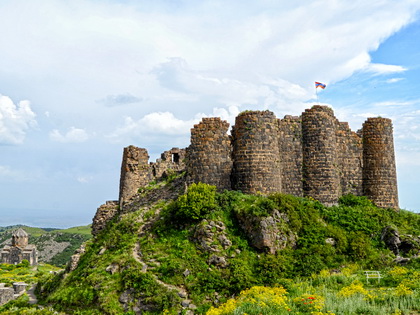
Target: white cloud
15, 120
227, 51
84, 179
380, 69
394, 103
73, 135
394, 80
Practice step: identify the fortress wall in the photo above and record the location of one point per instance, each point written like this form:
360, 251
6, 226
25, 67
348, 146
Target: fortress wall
209, 154
290, 143
320, 163
135, 172
256, 153
103, 214
350, 160
379, 172
170, 161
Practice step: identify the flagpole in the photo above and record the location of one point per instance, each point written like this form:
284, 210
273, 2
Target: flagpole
316, 92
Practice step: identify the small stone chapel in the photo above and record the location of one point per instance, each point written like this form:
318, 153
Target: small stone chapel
19, 249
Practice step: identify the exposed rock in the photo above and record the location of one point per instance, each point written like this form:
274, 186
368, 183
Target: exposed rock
330, 241
391, 237
102, 251
126, 297
112, 268
186, 273
404, 245
185, 303
401, 260
74, 260
270, 233
218, 261
104, 213
210, 236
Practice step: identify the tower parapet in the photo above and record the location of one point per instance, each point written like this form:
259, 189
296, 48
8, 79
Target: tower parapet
320, 171
379, 171
256, 153
209, 155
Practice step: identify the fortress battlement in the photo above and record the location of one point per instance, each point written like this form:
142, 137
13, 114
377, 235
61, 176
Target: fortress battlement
312, 155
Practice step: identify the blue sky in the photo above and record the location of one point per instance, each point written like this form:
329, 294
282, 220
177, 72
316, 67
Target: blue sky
82, 79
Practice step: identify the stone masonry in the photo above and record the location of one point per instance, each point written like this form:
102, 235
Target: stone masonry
256, 153
379, 172
19, 249
290, 142
313, 155
209, 155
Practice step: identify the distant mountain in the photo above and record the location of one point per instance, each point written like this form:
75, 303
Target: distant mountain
55, 246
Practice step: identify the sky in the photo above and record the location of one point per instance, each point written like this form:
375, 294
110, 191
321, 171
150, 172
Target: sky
82, 79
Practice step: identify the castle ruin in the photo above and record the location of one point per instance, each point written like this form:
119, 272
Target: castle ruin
313, 155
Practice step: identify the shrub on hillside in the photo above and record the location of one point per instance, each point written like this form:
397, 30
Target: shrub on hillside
199, 200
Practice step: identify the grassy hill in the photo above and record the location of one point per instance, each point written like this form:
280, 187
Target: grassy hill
193, 254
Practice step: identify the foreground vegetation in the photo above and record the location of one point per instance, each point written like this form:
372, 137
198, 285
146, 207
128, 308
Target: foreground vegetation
346, 292
156, 267
31, 275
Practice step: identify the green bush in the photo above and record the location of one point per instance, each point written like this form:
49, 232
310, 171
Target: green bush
199, 200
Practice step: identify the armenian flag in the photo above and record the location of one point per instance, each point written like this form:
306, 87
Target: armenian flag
321, 85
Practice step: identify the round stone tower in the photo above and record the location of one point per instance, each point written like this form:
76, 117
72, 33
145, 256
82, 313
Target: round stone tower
256, 153
209, 154
320, 164
379, 172
135, 172
20, 238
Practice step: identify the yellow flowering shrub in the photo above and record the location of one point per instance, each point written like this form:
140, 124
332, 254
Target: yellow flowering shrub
350, 270
402, 290
355, 288
258, 295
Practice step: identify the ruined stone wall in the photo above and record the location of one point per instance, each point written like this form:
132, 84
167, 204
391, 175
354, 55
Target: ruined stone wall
320, 163
290, 144
103, 215
135, 172
256, 153
350, 160
6, 294
313, 155
379, 172
170, 161
209, 154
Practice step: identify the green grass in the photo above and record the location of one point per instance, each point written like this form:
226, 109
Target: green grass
84, 230
170, 247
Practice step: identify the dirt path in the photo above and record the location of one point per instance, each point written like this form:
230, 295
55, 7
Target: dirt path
31, 294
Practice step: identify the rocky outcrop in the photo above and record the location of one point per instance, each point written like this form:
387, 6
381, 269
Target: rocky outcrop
74, 261
210, 236
401, 245
270, 233
103, 215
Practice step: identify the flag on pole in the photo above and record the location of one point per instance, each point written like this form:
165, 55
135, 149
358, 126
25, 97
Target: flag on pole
321, 85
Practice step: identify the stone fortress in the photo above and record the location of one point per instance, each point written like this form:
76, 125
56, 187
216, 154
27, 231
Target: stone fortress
313, 155
19, 249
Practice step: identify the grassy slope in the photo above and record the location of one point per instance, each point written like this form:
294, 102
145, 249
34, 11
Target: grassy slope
169, 250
